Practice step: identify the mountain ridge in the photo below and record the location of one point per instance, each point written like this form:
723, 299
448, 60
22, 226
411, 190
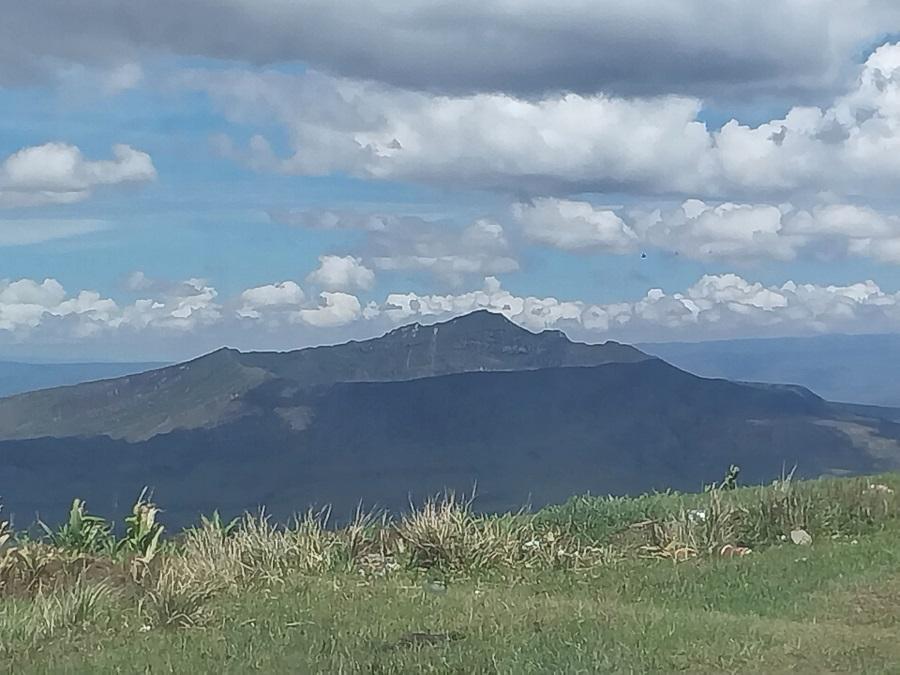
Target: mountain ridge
529, 417
209, 388
19, 377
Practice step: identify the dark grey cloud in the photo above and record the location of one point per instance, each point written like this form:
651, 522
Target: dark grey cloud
526, 48
565, 144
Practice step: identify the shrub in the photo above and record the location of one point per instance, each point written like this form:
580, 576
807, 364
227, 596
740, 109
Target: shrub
142, 536
82, 533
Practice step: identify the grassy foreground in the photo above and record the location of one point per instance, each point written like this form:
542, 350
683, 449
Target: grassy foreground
662, 583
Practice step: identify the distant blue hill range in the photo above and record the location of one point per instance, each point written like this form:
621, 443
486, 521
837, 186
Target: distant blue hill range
852, 368
531, 418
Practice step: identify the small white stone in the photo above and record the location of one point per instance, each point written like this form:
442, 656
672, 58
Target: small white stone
801, 537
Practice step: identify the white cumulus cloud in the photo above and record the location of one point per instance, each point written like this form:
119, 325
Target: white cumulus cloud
284, 296
716, 306
573, 225
27, 306
336, 309
736, 232
342, 273
568, 143
483, 140
58, 173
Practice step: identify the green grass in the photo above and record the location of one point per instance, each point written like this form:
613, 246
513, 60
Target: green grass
308, 600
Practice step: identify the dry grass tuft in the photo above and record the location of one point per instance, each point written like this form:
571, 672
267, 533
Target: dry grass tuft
256, 551
49, 615
761, 516
171, 600
35, 567
689, 532
445, 533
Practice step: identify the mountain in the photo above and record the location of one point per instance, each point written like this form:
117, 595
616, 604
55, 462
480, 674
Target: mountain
532, 418
213, 389
852, 368
17, 378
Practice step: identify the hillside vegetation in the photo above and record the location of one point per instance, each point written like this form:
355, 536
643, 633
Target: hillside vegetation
792, 577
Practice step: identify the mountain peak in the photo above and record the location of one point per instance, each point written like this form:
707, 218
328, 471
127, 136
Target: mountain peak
477, 321
483, 319
478, 341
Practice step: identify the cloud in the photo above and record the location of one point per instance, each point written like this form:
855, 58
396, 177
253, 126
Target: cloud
181, 307
342, 273
569, 143
727, 231
749, 232
27, 305
526, 48
409, 243
320, 219
285, 304
531, 312
485, 141
734, 232
449, 253
573, 226
138, 281
122, 78
285, 296
58, 173
24, 232
716, 306
336, 309
81, 84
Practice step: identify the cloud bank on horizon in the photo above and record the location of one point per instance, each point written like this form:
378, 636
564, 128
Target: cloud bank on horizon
310, 172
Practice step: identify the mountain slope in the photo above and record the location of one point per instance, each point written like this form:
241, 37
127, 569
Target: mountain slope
198, 393
523, 436
18, 378
529, 418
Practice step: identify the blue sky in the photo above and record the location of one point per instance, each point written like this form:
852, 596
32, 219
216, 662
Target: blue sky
303, 182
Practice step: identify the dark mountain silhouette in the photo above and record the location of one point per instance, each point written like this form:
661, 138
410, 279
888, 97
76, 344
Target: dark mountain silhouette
532, 418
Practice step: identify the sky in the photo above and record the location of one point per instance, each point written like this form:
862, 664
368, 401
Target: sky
179, 175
